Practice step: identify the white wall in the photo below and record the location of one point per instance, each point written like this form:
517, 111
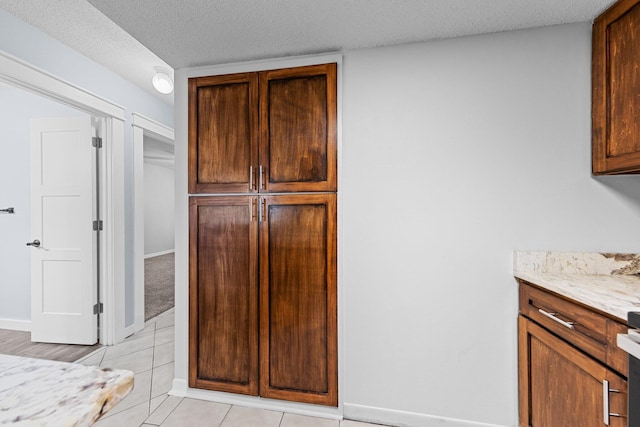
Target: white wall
159, 208
35, 47
472, 148
455, 153
17, 107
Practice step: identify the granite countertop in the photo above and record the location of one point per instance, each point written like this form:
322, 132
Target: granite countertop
605, 281
35, 392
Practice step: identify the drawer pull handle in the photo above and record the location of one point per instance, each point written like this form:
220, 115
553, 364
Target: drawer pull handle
552, 316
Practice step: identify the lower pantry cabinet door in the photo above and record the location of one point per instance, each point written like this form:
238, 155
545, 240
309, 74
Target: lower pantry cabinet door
223, 294
298, 314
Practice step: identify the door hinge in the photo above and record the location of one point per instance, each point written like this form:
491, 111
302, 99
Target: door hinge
97, 225
96, 141
97, 308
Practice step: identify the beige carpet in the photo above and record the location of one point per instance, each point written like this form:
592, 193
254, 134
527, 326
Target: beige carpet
159, 278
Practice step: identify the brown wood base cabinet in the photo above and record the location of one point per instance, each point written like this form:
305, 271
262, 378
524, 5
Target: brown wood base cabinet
566, 364
263, 316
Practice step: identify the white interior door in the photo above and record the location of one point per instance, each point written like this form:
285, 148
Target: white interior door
64, 244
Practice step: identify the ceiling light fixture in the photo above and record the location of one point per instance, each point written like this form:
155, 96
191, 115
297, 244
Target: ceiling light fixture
162, 81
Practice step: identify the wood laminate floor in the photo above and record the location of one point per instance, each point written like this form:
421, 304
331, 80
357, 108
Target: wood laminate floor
18, 343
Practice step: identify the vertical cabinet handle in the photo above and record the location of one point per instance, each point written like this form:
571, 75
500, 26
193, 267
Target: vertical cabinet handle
250, 178
252, 210
606, 413
263, 209
261, 176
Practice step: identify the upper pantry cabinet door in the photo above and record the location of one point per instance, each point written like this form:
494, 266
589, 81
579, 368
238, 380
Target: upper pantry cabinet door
616, 89
223, 133
298, 114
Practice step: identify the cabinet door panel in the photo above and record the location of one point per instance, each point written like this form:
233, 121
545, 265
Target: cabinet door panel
624, 80
223, 133
561, 386
223, 295
298, 299
616, 83
298, 128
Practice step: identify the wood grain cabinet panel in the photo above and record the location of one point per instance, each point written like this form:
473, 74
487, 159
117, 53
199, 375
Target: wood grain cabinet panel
223, 275
298, 298
561, 386
616, 89
223, 133
298, 128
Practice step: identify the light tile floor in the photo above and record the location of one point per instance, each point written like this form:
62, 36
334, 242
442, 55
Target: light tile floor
150, 355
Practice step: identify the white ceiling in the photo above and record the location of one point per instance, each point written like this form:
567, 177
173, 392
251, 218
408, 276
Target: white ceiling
205, 32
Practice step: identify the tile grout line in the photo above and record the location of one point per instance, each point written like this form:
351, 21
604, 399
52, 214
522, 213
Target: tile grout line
170, 412
225, 416
151, 413
153, 355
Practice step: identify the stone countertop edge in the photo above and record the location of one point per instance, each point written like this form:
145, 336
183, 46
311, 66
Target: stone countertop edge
37, 392
608, 282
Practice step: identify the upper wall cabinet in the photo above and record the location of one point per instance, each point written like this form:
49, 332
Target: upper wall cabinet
270, 131
616, 90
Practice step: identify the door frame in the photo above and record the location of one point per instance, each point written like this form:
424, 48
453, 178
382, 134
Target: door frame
110, 116
142, 126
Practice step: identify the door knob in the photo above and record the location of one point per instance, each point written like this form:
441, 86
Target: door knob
35, 243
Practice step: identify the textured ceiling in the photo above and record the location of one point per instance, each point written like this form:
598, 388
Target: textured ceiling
202, 32
187, 33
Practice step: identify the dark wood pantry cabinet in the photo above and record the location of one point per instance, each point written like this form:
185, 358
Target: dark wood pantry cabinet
616, 90
263, 234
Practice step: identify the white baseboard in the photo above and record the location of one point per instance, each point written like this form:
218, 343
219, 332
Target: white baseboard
180, 389
16, 325
351, 411
170, 251
403, 418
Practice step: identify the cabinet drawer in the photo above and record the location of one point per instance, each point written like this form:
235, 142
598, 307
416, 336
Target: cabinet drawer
590, 331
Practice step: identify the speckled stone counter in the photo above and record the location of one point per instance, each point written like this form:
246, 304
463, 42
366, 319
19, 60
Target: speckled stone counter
604, 281
35, 392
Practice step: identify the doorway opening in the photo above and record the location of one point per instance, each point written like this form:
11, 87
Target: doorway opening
111, 179
21, 110
154, 246
159, 227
